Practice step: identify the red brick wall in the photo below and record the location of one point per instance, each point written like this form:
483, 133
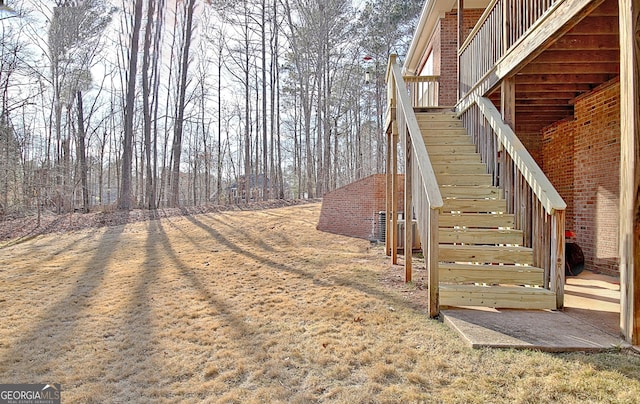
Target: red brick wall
596, 173
558, 151
533, 142
353, 209
446, 65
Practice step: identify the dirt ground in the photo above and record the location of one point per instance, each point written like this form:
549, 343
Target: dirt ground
254, 306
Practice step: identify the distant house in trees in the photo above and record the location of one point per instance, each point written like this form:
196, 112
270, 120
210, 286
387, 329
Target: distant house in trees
521, 120
248, 188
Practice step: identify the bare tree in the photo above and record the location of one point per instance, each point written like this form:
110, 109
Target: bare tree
182, 88
124, 200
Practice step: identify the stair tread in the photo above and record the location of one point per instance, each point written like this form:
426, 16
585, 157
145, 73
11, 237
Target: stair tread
446, 141
486, 247
496, 289
496, 254
480, 236
466, 168
466, 164
442, 128
491, 267
448, 149
476, 220
464, 179
471, 192
463, 215
475, 205
473, 199
515, 297
456, 273
464, 187
481, 231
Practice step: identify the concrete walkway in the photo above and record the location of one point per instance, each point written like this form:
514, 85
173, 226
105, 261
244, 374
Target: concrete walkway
590, 321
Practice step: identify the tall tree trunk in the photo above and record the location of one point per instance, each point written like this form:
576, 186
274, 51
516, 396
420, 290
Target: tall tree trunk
165, 180
150, 196
265, 193
245, 186
156, 97
327, 125
124, 202
219, 160
82, 155
277, 118
177, 134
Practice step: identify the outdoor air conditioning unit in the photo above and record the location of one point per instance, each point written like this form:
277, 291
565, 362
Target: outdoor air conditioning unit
416, 234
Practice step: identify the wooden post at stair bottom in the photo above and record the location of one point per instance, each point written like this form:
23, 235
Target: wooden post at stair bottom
431, 258
557, 257
389, 194
408, 210
394, 187
629, 15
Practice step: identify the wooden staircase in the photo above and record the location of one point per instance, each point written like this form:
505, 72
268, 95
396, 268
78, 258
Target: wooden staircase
482, 260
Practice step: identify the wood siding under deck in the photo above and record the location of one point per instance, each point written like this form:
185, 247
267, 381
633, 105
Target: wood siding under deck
571, 49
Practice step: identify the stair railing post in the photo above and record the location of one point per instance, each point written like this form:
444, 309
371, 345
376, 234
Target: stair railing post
395, 196
431, 260
389, 195
557, 257
408, 210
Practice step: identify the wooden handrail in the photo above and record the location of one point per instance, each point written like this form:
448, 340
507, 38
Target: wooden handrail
431, 188
420, 180
533, 174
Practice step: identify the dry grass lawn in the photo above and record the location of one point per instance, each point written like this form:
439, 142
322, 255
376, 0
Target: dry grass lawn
254, 307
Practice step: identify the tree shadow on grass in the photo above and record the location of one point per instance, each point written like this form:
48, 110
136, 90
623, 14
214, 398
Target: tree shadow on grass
133, 353
251, 343
47, 340
352, 283
259, 242
219, 219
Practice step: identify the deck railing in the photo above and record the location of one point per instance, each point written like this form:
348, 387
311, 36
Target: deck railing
423, 90
500, 27
538, 208
422, 194
520, 15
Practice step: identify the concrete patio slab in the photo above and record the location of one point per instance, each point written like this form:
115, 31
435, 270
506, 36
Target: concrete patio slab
544, 330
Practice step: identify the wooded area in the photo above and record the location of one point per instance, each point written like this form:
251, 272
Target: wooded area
167, 103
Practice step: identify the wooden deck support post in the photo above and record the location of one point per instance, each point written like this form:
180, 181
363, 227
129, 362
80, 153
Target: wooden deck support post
629, 242
408, 210
508, 101
395, 197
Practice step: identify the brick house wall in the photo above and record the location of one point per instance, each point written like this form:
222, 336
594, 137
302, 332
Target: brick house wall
582, 160
353, 210
445, 48
558, 164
